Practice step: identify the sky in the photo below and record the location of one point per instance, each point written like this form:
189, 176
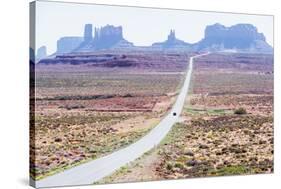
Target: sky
142, 26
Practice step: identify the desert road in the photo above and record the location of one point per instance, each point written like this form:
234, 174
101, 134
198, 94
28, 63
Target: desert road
90, 172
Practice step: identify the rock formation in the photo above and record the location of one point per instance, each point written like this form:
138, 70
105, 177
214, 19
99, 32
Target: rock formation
68, 44
41, 53
88, 33
172, 43
241, 37
104, 38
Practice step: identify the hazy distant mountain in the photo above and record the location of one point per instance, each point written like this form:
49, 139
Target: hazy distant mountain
41, 53
172, 43
68, 44
241, 37
106, 37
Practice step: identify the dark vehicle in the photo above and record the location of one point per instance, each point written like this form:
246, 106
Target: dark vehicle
174, 114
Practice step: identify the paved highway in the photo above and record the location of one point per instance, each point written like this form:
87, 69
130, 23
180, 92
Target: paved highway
95, 170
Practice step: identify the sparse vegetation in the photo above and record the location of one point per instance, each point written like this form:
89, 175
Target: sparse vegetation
99, 110
231, 170
83, 112
213, 139
240, 111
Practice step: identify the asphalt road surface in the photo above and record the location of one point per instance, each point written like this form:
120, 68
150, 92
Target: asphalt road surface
90, 172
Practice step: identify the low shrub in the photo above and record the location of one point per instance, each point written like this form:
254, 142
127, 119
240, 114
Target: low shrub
240, 111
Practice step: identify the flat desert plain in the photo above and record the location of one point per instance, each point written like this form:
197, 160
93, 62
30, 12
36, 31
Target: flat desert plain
85, 110
226, 127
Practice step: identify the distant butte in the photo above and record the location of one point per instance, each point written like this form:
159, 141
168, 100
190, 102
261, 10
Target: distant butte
172, 43
107, 37
239, 37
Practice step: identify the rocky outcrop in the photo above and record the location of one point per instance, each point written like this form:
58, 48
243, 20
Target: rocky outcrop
172, 43
68, 44
241, 37
41, 53
88, 32
106, 37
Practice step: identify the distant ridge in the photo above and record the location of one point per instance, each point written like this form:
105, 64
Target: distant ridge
105, 37
241, 37
238, 38
68, 44
172, 43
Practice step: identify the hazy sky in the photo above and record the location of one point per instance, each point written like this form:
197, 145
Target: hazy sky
142, 26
